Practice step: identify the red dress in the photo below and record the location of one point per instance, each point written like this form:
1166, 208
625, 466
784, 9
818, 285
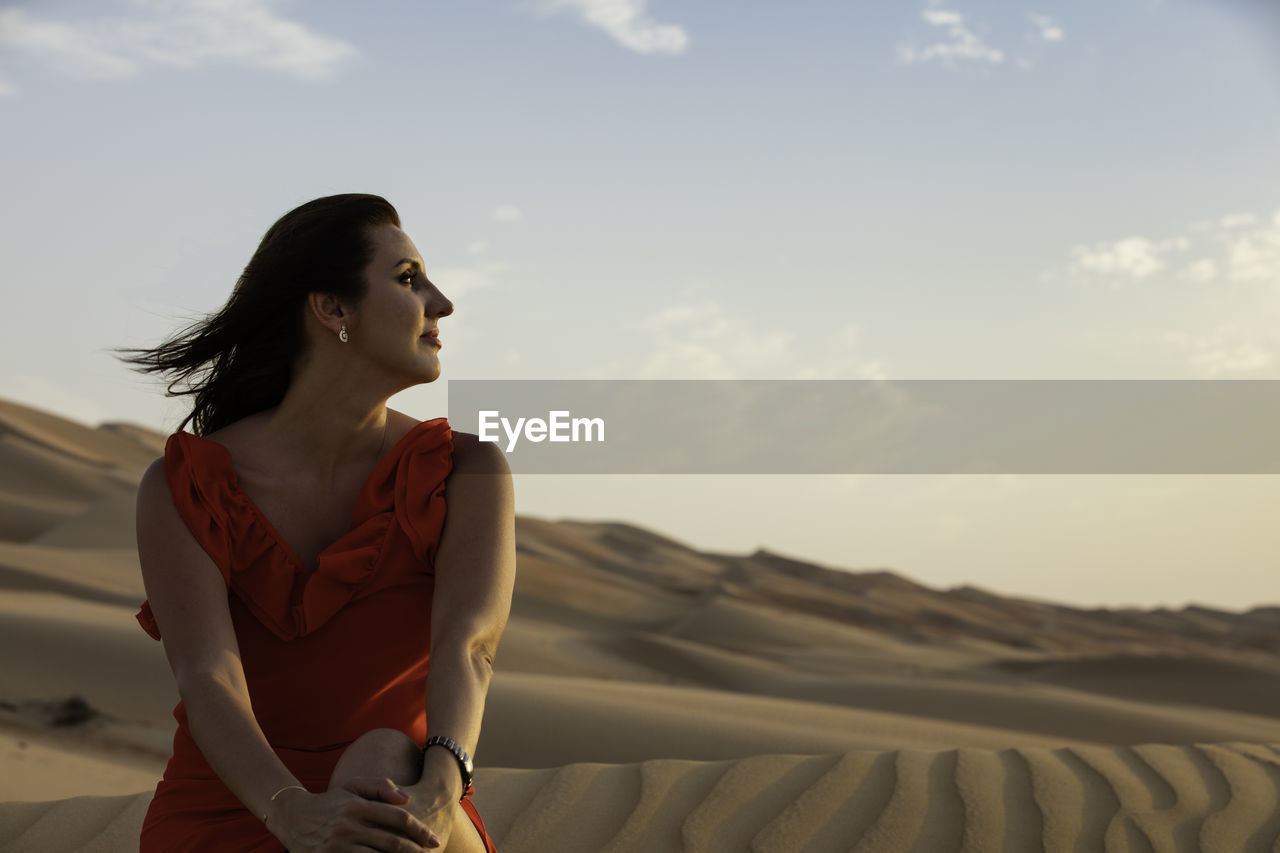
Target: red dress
327, 655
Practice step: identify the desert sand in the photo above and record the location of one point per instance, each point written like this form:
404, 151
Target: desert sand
651, 697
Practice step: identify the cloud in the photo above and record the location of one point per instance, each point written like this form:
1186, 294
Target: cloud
1132, 257
943, 18
1237, 220
842, 360
1049, 31
1238, 255
699, 339
1254, 255
184, 34
506, 213
76, 51
844, 369
1247, 246
1205, 269
1225, 350
1238, 247
627, 23
961, 43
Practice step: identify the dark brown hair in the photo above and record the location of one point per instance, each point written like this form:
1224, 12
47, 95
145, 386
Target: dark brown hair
239, 360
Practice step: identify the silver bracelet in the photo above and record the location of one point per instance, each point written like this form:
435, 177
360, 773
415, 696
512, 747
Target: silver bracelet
278, 793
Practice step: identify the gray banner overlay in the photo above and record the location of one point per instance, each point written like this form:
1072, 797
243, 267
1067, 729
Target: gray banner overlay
876, 426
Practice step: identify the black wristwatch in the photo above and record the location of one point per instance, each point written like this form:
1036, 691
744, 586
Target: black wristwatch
465, 765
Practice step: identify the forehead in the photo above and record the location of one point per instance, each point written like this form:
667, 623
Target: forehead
390, 244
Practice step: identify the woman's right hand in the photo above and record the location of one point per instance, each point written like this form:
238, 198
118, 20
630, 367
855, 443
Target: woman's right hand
361, 814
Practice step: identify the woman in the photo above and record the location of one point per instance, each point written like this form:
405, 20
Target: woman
300, 564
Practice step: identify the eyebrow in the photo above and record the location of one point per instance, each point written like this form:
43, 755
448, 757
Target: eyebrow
411, 262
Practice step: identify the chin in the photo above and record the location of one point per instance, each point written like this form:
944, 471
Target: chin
418, 374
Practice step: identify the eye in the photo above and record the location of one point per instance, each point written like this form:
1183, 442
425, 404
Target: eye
407, 277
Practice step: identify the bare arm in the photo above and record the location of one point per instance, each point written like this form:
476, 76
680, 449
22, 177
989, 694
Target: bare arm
475, 573
189, 600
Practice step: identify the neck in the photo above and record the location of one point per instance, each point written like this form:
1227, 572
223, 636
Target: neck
328, 429
334, 415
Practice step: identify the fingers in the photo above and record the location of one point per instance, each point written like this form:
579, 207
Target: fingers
368, 838
376, 788
391, 821
402, 823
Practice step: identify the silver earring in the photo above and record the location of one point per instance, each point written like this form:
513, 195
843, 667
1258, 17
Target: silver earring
342, 334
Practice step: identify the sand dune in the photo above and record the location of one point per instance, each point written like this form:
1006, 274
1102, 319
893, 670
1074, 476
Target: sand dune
1185, 798
1205, 797
653, 697
113, 447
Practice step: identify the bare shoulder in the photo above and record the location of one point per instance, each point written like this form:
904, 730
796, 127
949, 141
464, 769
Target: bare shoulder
154, 486
157, 513
473, 456
479, 489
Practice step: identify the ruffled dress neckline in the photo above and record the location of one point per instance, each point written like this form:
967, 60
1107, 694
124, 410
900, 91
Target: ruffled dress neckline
404, 492
364, 507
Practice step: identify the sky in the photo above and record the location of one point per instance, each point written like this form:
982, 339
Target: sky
727, 189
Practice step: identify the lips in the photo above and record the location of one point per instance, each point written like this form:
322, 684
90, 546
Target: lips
432, 336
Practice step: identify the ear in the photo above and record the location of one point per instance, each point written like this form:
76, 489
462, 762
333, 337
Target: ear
326, 308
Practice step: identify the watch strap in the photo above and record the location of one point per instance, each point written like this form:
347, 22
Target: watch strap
465, 764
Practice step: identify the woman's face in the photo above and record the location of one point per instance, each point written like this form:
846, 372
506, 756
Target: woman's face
394, 324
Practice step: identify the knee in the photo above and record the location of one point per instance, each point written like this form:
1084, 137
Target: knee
380, 752
384, 739
387, 745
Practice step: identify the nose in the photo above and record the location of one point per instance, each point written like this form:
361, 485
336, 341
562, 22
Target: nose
438, 305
